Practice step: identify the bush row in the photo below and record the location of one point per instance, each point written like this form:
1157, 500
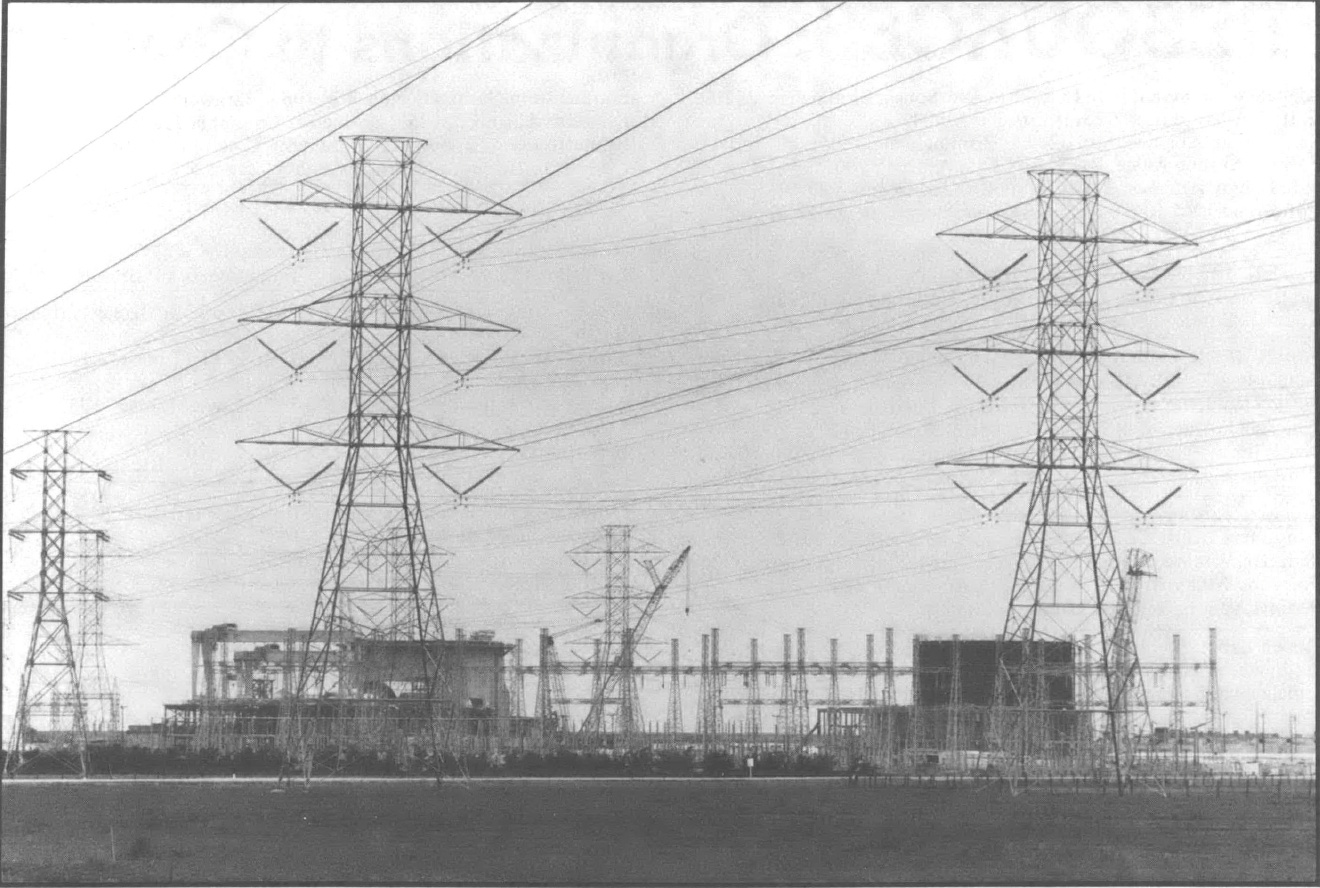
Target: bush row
114, 761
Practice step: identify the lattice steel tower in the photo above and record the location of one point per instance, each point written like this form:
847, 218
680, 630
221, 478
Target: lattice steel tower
624, 617
1068, 581
100, 693
51, 690
377, 578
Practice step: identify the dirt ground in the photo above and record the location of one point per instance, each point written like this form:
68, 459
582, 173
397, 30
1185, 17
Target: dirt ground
616, 832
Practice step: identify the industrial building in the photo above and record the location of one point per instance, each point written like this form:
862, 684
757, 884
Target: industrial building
243, 680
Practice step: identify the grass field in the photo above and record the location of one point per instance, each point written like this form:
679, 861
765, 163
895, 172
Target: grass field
645, 831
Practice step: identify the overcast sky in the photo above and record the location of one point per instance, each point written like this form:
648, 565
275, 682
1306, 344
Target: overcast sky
811, 500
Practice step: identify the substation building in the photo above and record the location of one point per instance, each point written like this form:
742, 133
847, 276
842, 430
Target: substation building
243, 680
948, 722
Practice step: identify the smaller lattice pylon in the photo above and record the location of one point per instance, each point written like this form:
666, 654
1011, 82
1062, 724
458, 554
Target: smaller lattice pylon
51, 679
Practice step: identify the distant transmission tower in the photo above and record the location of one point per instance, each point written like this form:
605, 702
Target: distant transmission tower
377, 583
100, 694
624, 617
1068, 581
50, 696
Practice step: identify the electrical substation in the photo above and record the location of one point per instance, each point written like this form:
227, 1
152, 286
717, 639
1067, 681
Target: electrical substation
1062, 690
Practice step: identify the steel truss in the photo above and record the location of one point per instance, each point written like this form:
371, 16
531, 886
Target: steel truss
51, 689
1068, 581
624, 617
884, 732
377, 579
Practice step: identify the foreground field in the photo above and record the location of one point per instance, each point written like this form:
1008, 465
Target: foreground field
644, 831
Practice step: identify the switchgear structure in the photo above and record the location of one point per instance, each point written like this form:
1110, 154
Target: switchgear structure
51, 686
376, 630
1068, 582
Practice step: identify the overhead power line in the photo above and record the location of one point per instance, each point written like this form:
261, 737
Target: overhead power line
643, 122
248, 184
563, 428
144, 105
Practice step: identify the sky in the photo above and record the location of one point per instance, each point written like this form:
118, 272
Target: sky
789, 206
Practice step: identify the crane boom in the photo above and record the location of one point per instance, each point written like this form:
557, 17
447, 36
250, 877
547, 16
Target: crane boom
620, 669
653, 603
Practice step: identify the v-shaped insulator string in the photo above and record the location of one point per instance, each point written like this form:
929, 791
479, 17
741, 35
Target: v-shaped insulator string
296, 368
1138, 395
1145, 513
462, 374
990, 279
293, 489
1145, 285
990, 395
462, 494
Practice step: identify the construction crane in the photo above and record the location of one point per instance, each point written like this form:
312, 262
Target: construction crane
619, 680
661, 584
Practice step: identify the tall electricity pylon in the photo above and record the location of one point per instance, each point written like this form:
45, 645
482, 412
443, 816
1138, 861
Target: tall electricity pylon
1068, 581
51, 685
377, 580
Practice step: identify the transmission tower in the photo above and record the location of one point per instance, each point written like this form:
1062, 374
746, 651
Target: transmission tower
100, 694
1068, 581
624, 617
50, 691
377, 583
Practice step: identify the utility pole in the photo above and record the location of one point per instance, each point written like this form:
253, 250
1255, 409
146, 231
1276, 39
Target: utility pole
518, 704
716, 687
870, 671
706, 714
1068, 580
953, 740
801, 701
377, 584
786, 720
832, 704
674, 717
1178, 720
52, 680
1212, 701
754, 694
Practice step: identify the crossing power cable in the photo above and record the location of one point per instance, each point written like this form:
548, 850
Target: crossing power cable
816, 116
248, 184
144, 106
258, 136
231, 345
651, 117
393, 93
